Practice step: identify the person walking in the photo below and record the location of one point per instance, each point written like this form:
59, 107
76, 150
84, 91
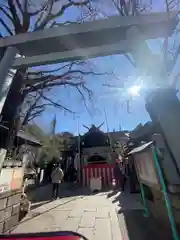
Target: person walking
72, 173
56, 176
123, 175
117, 175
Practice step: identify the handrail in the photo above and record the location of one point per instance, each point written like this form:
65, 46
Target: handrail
165, 193
146, 209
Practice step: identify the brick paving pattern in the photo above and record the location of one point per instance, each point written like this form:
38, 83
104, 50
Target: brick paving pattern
109, 215
93, 216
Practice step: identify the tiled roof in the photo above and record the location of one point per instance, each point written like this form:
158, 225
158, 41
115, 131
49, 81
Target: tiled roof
28, 137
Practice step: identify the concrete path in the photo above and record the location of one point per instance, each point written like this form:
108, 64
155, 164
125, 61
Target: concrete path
133, 224
93, 216
109, 215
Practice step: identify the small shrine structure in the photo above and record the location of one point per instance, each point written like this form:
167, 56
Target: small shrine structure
97, 156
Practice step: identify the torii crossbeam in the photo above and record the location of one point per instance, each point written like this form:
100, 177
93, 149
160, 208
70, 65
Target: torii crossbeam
86, 40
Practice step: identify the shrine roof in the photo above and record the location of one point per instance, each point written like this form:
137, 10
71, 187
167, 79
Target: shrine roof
95, 137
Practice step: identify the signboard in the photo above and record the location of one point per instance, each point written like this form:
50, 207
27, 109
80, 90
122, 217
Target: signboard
17, 178
146, 170
5, 179
11, 179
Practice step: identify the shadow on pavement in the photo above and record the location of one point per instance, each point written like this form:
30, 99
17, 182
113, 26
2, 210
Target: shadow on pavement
43, 195
45, 209
139, 227
133, 224
41, 198
36, 205
113, 193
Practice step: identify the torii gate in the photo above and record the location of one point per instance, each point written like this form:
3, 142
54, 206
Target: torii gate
87, 40
115, 35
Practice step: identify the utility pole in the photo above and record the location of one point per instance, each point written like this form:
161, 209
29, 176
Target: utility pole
79, 140
105, 114
79, 151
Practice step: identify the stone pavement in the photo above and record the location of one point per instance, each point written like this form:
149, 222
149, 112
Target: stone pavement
93, 216
43, 194
108, 215
133, 224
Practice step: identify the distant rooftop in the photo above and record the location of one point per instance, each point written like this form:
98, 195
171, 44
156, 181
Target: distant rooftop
23, 136
28, 137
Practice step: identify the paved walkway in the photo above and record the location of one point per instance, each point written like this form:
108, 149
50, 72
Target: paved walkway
93, 216
133, 224
109, 215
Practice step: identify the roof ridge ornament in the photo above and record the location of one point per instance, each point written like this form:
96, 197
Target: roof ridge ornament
93, 127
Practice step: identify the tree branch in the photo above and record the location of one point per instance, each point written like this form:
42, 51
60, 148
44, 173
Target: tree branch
51, 80
55, 104
41, 73
56, 24
32, 116
6, 27
51, 17
130, 60
84, 100
19, 6
26, 18
16, 20
6, 14
43, 8
78, 85
119, 9
35, 88
49, 5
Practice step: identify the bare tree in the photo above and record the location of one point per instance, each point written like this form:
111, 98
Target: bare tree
170, 48
32, 108
170, 52
69, 75
21, 16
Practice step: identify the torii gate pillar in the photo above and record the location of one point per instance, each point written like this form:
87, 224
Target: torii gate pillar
6, 73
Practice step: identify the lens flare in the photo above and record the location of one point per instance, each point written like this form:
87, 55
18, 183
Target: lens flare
134, 90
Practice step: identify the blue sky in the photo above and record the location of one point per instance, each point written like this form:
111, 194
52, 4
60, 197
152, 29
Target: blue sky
103, 98
110, 100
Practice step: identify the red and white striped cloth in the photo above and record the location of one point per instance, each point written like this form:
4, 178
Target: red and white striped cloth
103, 171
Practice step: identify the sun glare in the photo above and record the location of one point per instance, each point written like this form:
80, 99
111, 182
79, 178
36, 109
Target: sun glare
134, 90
